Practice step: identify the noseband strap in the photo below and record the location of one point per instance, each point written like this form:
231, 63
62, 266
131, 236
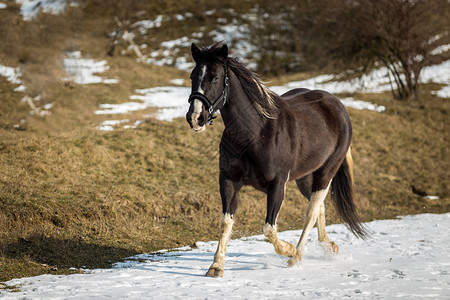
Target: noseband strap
212, 107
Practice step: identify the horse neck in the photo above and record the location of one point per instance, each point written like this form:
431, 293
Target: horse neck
239, 111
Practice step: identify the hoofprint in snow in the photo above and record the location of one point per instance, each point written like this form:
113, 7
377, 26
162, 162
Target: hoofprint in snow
405, 258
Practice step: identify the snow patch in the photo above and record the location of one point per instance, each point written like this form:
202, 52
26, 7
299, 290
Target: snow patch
3, 5
30, 8
375, 82
82, 70
177, 81
171, 102
144, 25
362, 105
437, 73
109, 124
440, 49
443, 93
13, 75
406, 257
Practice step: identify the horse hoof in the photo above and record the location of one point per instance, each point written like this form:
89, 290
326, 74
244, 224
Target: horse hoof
213, 272
334, 247
293, 261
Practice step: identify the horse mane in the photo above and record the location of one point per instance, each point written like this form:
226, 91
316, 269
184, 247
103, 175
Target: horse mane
264, 100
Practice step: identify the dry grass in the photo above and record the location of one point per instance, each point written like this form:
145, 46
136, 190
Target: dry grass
73, 196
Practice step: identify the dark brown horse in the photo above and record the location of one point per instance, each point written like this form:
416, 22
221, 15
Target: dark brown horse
269, 140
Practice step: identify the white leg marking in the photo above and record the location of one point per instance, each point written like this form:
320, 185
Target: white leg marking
281, 247
216, 268
321, 224
312, 213
323, 238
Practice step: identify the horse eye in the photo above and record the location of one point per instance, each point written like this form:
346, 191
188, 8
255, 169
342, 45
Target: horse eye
215, 79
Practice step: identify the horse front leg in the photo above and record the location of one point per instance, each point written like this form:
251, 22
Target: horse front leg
229, 193
216, 269
275, 198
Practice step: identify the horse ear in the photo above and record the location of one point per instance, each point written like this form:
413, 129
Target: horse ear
195, 52
224, 51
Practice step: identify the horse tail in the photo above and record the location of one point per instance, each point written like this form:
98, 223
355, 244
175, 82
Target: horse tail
343, 196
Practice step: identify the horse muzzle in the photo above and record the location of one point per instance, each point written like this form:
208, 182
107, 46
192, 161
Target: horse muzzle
196, 121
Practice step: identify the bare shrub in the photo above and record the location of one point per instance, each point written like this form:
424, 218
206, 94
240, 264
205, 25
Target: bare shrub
364, 34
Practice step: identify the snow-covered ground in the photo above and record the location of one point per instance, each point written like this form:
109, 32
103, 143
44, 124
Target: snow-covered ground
406, 258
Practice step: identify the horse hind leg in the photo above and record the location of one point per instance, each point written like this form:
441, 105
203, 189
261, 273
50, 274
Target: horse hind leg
323, 238
312, 214
281, 247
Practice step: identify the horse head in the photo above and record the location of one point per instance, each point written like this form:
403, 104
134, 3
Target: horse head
209, 80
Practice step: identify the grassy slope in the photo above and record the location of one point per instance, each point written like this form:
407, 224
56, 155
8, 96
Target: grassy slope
73, 196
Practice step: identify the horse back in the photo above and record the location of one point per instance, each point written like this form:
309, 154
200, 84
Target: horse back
304, 100
319, 123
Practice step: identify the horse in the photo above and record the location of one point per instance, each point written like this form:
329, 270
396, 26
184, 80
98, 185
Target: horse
303, 136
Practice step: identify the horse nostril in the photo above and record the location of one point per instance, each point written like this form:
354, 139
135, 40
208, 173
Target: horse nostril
200, 119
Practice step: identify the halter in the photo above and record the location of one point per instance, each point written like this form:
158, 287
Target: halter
212, 107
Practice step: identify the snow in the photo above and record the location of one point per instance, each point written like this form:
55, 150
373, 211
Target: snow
444, 92
145, 25
109, 124
238, 38
234, 33
30, 8
181, 42
177, 81
439, 74
82, 70
171, 102
13, 75
375, 82
440, 49
3, 5
431, 197
405, 258
362, 105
